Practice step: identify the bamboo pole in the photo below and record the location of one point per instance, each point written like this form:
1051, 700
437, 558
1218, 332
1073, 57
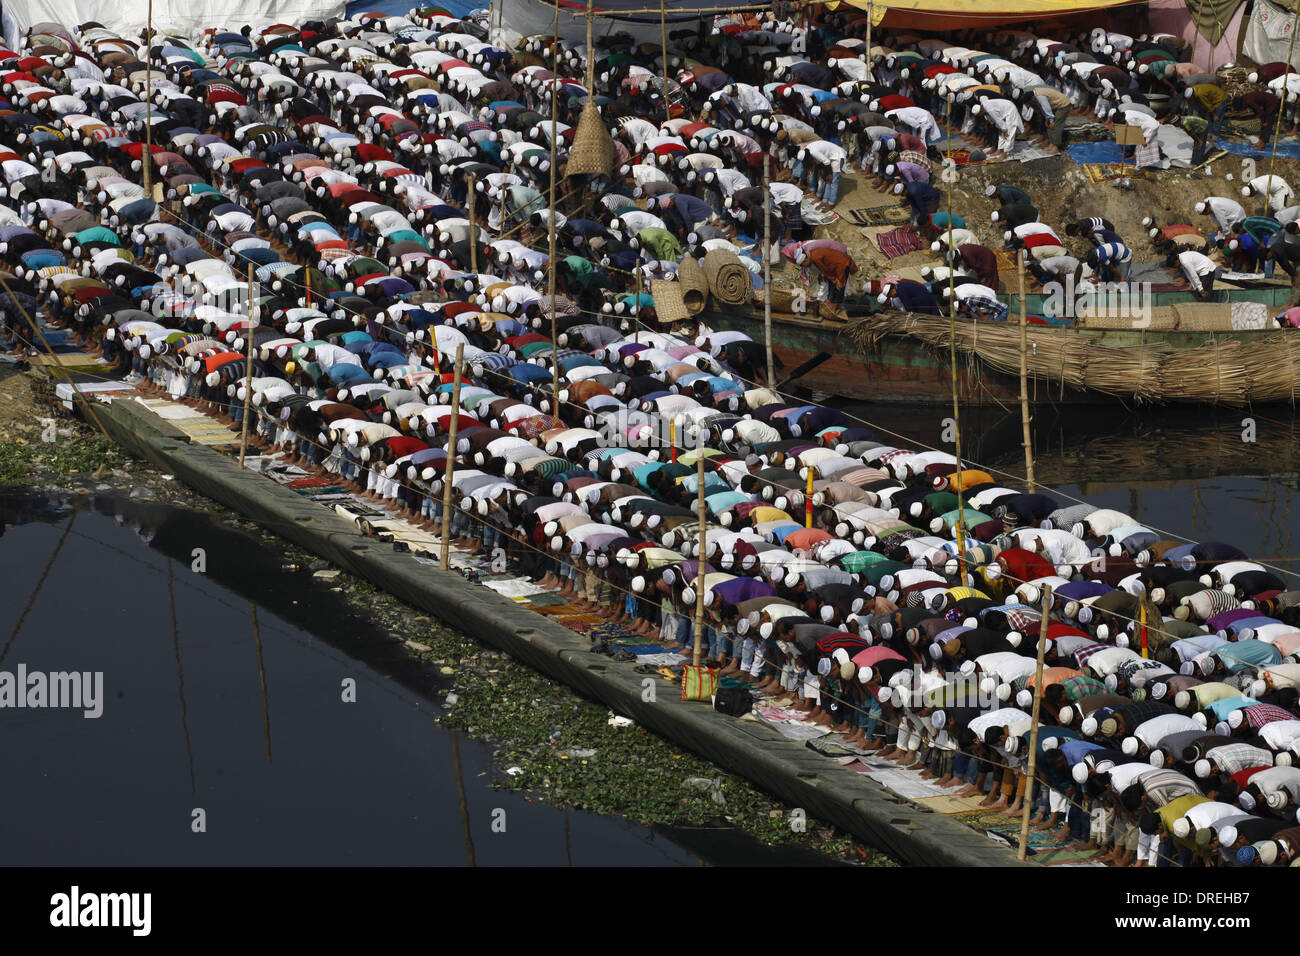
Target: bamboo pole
767, 270
473, 238
663, 52
1281, 107
871, 78
1033, 724
960, 529
550, 217
450, 469
636, 311
146, 158
249, 324
1024, 387
699, 560
808, 499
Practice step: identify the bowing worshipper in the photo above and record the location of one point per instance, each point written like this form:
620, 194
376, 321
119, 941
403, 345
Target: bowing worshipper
1004, 118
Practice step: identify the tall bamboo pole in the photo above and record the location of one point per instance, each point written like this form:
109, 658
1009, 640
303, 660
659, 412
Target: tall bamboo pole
636, 312
146, 158
1033, 724
473, 238
767, 270
663, 49
449, 471
550, 217
1024, 375
250, 324
871, 78
952, 360
699, 559
808, 499
1281, 106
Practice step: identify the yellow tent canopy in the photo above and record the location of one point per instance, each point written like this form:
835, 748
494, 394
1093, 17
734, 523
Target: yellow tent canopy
966, 14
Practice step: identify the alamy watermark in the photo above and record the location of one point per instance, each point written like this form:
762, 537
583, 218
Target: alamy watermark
77, 909
630, 429
1110, 300
62, 690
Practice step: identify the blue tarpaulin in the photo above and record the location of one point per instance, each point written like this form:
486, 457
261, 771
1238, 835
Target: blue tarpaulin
1289, 149
1089, 154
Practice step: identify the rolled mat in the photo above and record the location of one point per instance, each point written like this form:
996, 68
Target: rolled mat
669, 304
729, 281
694, 286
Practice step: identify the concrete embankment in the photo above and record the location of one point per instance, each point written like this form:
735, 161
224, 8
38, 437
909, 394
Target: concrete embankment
796, 774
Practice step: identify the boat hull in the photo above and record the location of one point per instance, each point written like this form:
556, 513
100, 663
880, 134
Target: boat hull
896, 367
896, 371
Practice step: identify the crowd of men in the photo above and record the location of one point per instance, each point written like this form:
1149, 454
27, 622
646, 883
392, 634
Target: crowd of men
386, 182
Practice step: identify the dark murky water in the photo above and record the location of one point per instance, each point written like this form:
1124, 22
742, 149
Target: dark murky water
1223, 474
208, 707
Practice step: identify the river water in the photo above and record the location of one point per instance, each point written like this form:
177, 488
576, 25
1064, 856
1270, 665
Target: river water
1200, 474
223, 693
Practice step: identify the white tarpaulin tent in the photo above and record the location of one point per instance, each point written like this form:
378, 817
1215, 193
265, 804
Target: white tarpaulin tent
180, 16
1268, 34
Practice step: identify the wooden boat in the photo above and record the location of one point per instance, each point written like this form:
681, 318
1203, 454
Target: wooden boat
1185, 355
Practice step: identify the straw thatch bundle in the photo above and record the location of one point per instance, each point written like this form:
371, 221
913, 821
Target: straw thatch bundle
729, 280
695, 287
1249, 367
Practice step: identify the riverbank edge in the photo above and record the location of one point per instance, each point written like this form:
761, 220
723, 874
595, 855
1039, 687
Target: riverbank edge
910, 832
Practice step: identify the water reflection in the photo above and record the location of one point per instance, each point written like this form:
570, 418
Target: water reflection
225, 704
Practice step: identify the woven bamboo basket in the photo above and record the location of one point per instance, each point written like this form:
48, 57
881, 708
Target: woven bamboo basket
670, 306
695, 287
592, 153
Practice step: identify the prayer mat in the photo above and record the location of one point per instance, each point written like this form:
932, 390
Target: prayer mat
1105, 172
1006, 260
891, 215
814, 216
546, 599
796, 729
1023, 152
1045, 847
833, 746
311, 482
900, 241
951, 805
962, 158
